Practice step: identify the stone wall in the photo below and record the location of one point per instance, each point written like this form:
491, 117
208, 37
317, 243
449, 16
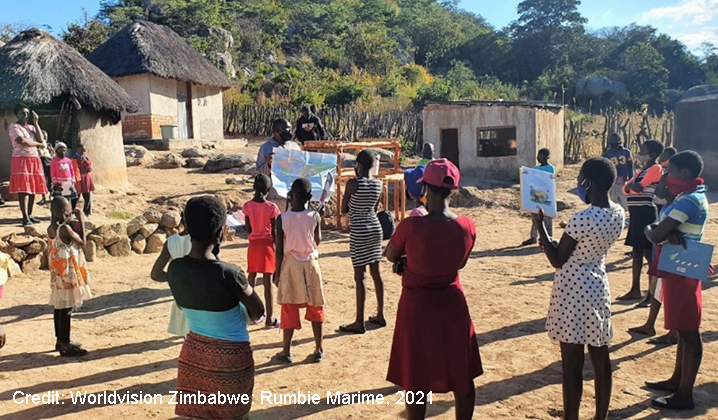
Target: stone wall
139, 127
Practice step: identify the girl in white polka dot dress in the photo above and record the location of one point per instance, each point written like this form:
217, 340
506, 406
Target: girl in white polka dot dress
580, 309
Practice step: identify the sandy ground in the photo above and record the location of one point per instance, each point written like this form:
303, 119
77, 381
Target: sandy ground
507, 288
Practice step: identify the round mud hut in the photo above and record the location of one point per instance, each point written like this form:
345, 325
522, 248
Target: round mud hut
173, 83
697, 127
76, 102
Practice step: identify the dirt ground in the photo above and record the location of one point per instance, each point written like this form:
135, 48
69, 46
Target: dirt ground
507, 287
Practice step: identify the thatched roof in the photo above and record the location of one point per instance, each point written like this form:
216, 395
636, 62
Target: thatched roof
36, 68
145, 47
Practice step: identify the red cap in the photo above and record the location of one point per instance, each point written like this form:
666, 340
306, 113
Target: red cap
441, 173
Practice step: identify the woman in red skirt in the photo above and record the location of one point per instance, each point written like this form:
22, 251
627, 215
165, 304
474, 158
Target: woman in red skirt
27, 176
434, 348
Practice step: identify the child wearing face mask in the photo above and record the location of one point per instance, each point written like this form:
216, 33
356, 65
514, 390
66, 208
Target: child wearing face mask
643, 212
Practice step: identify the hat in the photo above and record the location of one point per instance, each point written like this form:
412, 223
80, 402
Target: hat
60, 144
412, 178
441, 173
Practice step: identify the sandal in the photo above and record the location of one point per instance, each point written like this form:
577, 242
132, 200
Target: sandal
26, 223
283, 358
73, 351
377, 321
663, 340
352, 329
660, 386
274, 324
57, 345
34, 220
627, 297
318, 357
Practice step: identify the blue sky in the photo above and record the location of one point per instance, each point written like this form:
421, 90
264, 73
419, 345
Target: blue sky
691, 21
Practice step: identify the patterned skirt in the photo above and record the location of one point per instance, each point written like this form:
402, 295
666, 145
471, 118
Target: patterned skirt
212, 367
27, 176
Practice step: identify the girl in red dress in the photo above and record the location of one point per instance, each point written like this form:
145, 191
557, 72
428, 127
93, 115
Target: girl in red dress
85, 186
434, 348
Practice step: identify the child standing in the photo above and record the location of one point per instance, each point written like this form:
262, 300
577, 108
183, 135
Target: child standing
641, 191
62, 171
260, 216
69, 278
580, 309
543, 156
85, 186
298, 235
414, 189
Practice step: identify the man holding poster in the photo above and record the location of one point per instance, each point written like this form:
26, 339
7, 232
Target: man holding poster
281, 136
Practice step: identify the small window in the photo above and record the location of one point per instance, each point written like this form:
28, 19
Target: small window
496, 142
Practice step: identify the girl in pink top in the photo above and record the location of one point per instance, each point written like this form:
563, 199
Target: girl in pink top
259, 218
62, 172
298, 236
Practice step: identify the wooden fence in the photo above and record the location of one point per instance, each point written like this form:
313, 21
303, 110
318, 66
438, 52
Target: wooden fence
348, 123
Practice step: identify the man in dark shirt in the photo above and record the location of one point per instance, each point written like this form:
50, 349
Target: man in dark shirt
623, 160
309, 127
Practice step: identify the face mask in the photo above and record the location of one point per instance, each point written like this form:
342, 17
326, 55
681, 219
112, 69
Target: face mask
677, 186
642, 158
583, 193
286, 135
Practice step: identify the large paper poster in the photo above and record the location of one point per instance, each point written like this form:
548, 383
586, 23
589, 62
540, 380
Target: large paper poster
319, 168
538, 190
693, 261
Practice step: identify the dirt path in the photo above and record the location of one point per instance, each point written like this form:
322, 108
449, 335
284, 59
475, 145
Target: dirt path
124, 327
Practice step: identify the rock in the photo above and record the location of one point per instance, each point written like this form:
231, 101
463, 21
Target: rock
147, 230
245, 163
97, 239
16, 254
34, 232
122, 248
45, 261
171, 161
138, 244
171, 231
155, 243
195, 163
37, 247
600, 86
562, 205
138, 155
171, 219
134, 225
111, 234
31, 264
89, 226
13, 269
153, 216
563, 224
193, 152
19, 241
348, 160
383, 154
235, 181
225, 63
90, 251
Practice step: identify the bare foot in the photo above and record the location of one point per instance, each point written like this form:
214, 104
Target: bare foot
669, 385
646, 330
631, 296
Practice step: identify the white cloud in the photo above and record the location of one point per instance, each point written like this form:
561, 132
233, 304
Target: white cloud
607, 15
697, 11
695, 39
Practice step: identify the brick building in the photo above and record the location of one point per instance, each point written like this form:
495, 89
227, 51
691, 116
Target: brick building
173, 83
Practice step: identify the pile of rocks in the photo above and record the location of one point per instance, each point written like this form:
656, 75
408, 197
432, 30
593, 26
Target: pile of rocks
28, 251
144, 234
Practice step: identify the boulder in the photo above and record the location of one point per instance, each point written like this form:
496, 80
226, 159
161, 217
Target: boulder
138, 156
134, 225
195, 163
34, 232
171, 161
111, 234
153, 216
16, 254
19, 241
45, 261
155, 243
32, 264
600, 86
37, 247
147, 230
97, 239
13, 269
122, 248
90, 251
193, 152
138, 244
243, 163
171, 231
235, 181
562, 205
383, 154
171, 219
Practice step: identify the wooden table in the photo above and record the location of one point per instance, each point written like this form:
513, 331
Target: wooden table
393, 176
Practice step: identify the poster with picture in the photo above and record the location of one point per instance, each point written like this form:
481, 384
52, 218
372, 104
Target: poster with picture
538, 190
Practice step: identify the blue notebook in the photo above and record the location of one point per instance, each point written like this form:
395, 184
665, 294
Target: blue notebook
693, 262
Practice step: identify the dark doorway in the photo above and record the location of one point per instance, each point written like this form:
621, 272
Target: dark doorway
496, 142
450, 145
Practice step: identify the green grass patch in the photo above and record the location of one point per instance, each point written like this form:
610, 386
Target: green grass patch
122, 215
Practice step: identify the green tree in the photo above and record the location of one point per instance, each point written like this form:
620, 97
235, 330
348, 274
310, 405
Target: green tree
86, 35
645, 75
370, 47
440, 90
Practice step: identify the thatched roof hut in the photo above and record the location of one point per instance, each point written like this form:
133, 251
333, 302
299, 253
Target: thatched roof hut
75, 100
697, 125
174, 84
